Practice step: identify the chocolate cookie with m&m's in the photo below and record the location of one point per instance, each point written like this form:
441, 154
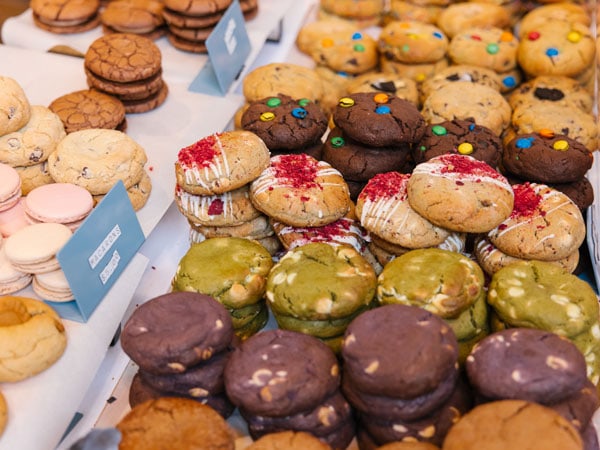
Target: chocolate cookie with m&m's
379, 119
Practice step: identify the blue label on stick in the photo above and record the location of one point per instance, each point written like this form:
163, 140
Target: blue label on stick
98, 252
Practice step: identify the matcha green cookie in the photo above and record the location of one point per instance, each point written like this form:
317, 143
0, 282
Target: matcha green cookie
444, 283
472, 321
320, 281
254, 325
538, 294
232, 270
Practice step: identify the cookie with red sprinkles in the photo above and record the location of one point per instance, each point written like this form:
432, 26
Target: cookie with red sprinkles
299, 190
460, 193
545, 224
221, 162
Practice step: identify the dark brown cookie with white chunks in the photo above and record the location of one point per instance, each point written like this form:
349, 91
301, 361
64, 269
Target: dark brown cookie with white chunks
264, 375
379, 119
374, 340
547, 157
526, 364
175, 331
459, 136
285, 123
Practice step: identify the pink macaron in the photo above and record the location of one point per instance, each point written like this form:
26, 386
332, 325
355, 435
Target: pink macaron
64, 203
10, 188
13, 219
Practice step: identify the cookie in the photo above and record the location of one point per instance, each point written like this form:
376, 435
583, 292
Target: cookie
33, 248
370, 347
32, 143
178, 422
89, 109
15, 106
492, 47
383, 209
546, 157
378, 119
361, 162
416, 72
282, 78
580, 192
361, 13
412, 42
459, 72
291, 440
173, 332
402, 87
228, 209
468, 101
557, 301
310, 34
464, 137
560, 11
10, 191
486, 198
552, 89
544, 224
198, 7
580, 407
512, 424
257, 228
11, 279
299, 190
263, 376
504, 365
52, 286
66, 16
417, 445
221, 162
238, 281
461, 16
459, 282
307, 282
33, 176
557, 48
285, 123
110, 156
133, 16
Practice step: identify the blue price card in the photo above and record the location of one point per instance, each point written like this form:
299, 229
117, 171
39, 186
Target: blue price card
98, 252
228, 48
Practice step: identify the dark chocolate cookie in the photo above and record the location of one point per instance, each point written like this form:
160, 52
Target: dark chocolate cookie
175, 331
580, 191
459, 136
281, 373
360, 162
546, 157
283, 122
579, 407
379, 119
526, 364
398, 350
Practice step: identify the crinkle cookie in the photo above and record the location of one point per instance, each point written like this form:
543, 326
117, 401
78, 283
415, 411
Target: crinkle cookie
15, 108
546, 157
299, 190
412, 42
379, 119
383, 209
96, 159
468, 101
33, 143
544, 224
538, 294
493, 48
460, 193
408, 279
221, 162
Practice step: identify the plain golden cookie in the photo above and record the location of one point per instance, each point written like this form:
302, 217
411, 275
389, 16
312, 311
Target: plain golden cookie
174, 423
14, 106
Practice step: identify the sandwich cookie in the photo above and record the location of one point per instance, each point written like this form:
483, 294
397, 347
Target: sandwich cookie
11, 279
52, 286
66, 16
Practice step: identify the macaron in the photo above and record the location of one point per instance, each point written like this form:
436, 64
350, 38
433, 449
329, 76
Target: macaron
11, 279
64, 203
13, 219
33, 248
10, 188
52, 286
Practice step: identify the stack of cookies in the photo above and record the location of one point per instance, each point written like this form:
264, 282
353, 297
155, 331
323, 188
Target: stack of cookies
28, 134
373, 133
545, 225
505, 364
213, 183
233, 271
110, 156
416, 397
445, 283
551, 299
128, 66
181, 343
319, 288
273, 392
